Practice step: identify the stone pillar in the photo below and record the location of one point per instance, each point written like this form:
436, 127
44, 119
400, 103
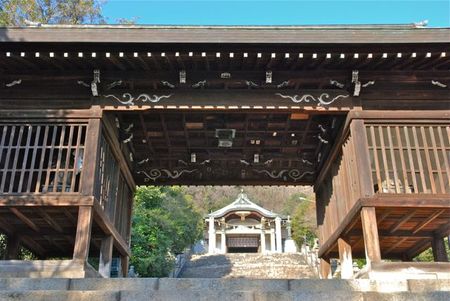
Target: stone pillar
272, 240
263, 235
212, 236
223, 241
278, 234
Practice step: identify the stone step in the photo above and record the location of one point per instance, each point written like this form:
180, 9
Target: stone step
248, 265
46, 268
223, 295
231, 284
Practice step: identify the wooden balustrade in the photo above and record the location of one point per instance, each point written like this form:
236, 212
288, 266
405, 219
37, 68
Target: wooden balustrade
41, 157
409, 158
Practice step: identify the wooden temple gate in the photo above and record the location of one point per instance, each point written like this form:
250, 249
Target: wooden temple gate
89, 112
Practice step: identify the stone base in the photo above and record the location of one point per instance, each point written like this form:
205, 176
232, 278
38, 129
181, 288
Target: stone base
290, 246
46, 269
170, 289
406, 270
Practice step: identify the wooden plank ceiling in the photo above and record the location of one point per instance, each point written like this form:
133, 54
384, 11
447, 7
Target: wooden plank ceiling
269, 147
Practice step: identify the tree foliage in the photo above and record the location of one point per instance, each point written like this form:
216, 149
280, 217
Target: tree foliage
164, 224
18, 12
303, 211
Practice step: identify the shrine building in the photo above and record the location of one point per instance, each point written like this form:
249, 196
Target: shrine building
245, 227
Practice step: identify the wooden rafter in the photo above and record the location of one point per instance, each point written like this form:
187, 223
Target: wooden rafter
25, 219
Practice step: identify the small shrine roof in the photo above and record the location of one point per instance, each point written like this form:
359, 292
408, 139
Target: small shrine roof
243, 203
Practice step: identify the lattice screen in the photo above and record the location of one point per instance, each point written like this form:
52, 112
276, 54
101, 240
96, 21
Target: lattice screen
410, 158
41, 157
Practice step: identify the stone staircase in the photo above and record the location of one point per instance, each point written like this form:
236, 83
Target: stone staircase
232, 289
248, 265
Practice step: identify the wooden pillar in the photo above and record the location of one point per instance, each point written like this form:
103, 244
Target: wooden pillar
346, 259
361, 147
83, 234
370, 233
325, 268
12, 248
124, 262
438, 246
106, 250
91, 156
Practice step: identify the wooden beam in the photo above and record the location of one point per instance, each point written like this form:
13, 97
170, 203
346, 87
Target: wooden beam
56, 200
408, 201
83, 233
30, 243
395, 245
106, 249
346, 260
49, 220
25, 219
346, 221
50, 114
401, 221
108, 228
421, 225
370, 233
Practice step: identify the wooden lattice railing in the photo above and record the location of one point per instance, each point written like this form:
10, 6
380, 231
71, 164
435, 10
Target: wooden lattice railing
409, 158
41, 157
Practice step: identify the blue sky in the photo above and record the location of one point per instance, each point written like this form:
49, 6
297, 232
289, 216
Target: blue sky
282, 12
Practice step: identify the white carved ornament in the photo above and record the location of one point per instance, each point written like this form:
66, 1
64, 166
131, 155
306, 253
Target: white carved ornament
129, 100
155, 173
323, 99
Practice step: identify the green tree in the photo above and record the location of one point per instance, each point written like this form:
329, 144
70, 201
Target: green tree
18, 12
303, 218
164, 224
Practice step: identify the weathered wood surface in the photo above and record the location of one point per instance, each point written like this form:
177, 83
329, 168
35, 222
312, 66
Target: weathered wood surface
376, 34
83, 234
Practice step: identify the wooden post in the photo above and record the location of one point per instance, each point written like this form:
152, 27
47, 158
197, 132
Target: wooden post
370, 233
12, 248
106, 250
361, 147
438, 247
325, 268
124, 261
83, 235
91, 155
345, 257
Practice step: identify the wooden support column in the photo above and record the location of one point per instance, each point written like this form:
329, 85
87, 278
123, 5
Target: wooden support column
106, 250
91, 156
370, 233
12, 248
361, 147
83, 235
325, 268
346, 259
438, 246
124, 261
